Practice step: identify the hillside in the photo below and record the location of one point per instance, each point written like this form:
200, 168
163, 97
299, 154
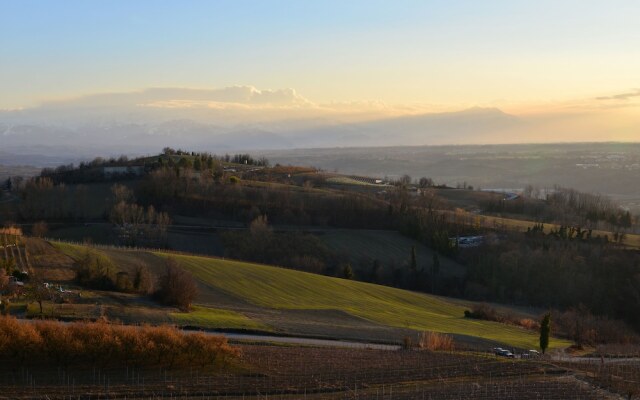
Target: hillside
295, 302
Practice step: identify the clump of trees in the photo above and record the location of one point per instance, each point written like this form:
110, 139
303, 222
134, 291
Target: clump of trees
554, 272
102, 345
136, 224
249, 160
296, 250
206, 195
42, 199
566, 206
177, 287
96, 271
584, 328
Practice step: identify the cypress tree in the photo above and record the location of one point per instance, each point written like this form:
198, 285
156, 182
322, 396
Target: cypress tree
545, 329
414, 261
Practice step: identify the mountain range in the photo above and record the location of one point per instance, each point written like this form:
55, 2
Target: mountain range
245, 118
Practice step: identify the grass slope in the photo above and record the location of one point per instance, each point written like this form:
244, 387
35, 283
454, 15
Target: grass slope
278, 288
212, 318
281, 288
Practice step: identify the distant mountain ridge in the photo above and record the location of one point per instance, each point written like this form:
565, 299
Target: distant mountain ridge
465, 126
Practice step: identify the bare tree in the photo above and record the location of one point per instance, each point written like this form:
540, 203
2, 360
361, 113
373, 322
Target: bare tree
177, 287
37, 292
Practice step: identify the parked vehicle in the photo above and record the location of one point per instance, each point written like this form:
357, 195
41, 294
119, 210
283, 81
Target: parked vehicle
503, 352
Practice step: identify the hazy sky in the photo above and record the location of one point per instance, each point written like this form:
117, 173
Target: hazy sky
508, 53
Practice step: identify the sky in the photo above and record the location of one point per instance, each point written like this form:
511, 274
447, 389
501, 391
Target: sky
524, 56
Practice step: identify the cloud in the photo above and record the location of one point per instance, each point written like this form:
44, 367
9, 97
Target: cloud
188, 98
621, 96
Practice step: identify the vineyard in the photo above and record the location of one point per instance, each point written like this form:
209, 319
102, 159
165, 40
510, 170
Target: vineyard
288, 372
13, 251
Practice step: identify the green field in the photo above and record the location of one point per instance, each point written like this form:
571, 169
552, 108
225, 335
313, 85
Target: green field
212, 318
274, 288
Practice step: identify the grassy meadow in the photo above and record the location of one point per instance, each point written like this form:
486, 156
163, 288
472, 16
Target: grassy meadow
277, 288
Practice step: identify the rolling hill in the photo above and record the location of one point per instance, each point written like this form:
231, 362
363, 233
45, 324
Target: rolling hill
294, 302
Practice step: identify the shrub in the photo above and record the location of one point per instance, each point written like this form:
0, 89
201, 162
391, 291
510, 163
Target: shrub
435, 341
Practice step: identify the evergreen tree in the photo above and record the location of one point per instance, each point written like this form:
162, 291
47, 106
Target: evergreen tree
414, 261
545, 329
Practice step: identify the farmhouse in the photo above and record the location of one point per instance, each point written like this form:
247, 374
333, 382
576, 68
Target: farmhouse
467, 241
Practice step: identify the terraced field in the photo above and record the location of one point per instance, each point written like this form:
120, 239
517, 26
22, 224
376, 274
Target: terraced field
260, 290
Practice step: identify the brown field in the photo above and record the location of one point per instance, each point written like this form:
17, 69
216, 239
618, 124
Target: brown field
291, 372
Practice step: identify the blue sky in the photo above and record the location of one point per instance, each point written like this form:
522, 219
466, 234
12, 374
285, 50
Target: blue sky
462, 52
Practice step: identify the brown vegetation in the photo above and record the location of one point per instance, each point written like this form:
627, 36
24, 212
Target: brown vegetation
102, 344
435, 341
485, 312
581, 326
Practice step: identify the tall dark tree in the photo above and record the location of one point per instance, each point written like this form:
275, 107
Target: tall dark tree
545, 330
